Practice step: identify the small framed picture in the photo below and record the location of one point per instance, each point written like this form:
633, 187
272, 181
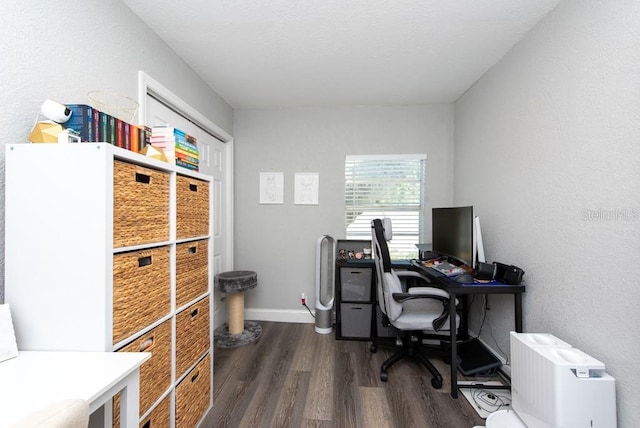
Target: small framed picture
272, 188
306, 188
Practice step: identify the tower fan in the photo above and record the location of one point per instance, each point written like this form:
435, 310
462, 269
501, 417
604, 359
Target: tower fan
325, 277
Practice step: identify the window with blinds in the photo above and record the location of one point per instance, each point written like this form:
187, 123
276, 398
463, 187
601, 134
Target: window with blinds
378, 186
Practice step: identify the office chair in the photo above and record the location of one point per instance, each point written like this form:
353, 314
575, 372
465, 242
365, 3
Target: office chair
416, 312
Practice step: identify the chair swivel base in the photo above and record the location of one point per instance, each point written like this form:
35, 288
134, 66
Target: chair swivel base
411, 350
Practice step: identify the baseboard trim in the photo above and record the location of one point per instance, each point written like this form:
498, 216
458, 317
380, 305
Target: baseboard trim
279, 315
275, 315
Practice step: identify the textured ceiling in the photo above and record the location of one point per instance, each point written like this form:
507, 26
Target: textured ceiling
309, 53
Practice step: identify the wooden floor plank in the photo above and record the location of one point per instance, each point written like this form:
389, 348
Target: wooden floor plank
291, 402
375, 411
346, 403
304, 358
276, 362
294, 377
319, 405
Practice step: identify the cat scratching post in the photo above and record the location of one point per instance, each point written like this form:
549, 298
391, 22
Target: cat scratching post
238, 331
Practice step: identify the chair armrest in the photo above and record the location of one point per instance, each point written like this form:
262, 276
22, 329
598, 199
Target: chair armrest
427, 293
429, 290
403, 297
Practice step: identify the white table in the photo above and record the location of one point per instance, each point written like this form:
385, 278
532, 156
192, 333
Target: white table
35, 379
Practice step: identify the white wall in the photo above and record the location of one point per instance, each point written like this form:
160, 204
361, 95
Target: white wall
278, 241
547, 150
62, 50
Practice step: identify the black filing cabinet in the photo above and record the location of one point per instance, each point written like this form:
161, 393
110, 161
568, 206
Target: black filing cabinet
355, 291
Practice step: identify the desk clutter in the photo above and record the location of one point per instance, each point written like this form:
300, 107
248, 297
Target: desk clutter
484, 272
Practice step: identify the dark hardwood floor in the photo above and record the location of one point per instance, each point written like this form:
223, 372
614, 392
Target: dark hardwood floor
294, 377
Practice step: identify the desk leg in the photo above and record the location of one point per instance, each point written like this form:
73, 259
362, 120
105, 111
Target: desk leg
454, 347
518, 311
129, 401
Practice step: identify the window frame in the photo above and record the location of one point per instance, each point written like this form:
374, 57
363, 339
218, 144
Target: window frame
403, 247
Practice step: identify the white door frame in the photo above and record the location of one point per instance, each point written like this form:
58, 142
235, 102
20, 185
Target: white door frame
149, 86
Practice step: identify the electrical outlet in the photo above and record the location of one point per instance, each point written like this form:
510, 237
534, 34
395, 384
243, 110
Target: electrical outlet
303, 299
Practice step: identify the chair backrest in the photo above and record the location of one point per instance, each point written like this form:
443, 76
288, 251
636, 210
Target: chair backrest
387, 280
377, 234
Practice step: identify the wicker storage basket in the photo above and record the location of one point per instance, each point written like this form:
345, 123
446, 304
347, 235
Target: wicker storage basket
192, 334
193, 395
140, 205
192, 207
192, 270
141, 290
155, 373
160, 417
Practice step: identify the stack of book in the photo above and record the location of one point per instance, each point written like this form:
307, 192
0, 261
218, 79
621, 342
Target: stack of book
96, 126
179, 147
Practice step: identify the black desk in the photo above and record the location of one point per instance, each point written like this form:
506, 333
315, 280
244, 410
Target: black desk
457, 289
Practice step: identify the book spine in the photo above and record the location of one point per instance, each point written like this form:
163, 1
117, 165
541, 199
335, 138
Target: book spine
119, 133
96, 125
134, 135
104, 128
90, 136
141, 137
186, 148
180, 162
146, 136
187, 151
185, 144
81, 121
186, 157
126, 135
113, 131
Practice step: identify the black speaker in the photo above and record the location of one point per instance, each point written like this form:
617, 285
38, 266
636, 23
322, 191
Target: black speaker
485, 271
509, 274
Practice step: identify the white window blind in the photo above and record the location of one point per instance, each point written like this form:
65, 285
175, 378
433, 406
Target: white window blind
386, 186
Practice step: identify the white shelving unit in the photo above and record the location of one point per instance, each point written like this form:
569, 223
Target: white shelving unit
59, 265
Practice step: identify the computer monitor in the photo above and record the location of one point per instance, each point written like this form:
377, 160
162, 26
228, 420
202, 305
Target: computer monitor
452, 233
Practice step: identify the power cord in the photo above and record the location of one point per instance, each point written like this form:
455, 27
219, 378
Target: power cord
485, 308
495, 341
303, 301
489, 401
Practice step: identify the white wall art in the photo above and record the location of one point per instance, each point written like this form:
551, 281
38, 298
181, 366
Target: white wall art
271, 188
306, 188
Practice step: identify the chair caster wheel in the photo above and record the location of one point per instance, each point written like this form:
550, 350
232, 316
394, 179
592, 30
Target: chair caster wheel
373, 348
384, 376
436, 383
